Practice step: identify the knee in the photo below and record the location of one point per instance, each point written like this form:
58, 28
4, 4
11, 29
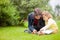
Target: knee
56, 31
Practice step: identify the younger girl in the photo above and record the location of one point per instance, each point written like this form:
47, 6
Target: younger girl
50, 24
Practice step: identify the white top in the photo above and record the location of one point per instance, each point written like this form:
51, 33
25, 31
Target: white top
50, 22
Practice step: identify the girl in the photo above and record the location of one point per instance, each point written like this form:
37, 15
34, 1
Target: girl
50, 24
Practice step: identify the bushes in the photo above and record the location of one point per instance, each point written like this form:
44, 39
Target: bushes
8, 13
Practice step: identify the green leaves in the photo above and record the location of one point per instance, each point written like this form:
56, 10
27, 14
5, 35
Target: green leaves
8, 13
4, 2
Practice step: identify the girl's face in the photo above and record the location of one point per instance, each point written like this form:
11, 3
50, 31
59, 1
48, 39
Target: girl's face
37, 17
45, 17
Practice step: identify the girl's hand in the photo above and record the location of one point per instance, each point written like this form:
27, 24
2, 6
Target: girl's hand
34, 31
38, 32
41, 29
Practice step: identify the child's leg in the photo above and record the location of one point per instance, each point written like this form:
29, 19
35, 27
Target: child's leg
55, 31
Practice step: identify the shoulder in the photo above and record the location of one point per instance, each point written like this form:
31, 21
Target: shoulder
51, 21
32, 13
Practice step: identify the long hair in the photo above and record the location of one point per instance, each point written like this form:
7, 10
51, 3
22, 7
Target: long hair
47, 14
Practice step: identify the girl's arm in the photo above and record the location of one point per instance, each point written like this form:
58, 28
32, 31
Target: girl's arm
50, 22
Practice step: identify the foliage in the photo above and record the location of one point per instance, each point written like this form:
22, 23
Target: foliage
8, 13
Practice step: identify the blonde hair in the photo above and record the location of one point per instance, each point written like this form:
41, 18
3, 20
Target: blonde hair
47, 14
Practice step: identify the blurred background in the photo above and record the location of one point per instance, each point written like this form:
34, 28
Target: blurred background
13, 18
15, 12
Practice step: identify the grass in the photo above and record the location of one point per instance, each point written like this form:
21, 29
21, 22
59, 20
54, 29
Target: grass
17, 33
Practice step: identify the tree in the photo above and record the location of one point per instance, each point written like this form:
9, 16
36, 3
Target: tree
57, 10
8, 13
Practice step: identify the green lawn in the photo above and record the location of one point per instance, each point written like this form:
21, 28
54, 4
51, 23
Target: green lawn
17, 33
